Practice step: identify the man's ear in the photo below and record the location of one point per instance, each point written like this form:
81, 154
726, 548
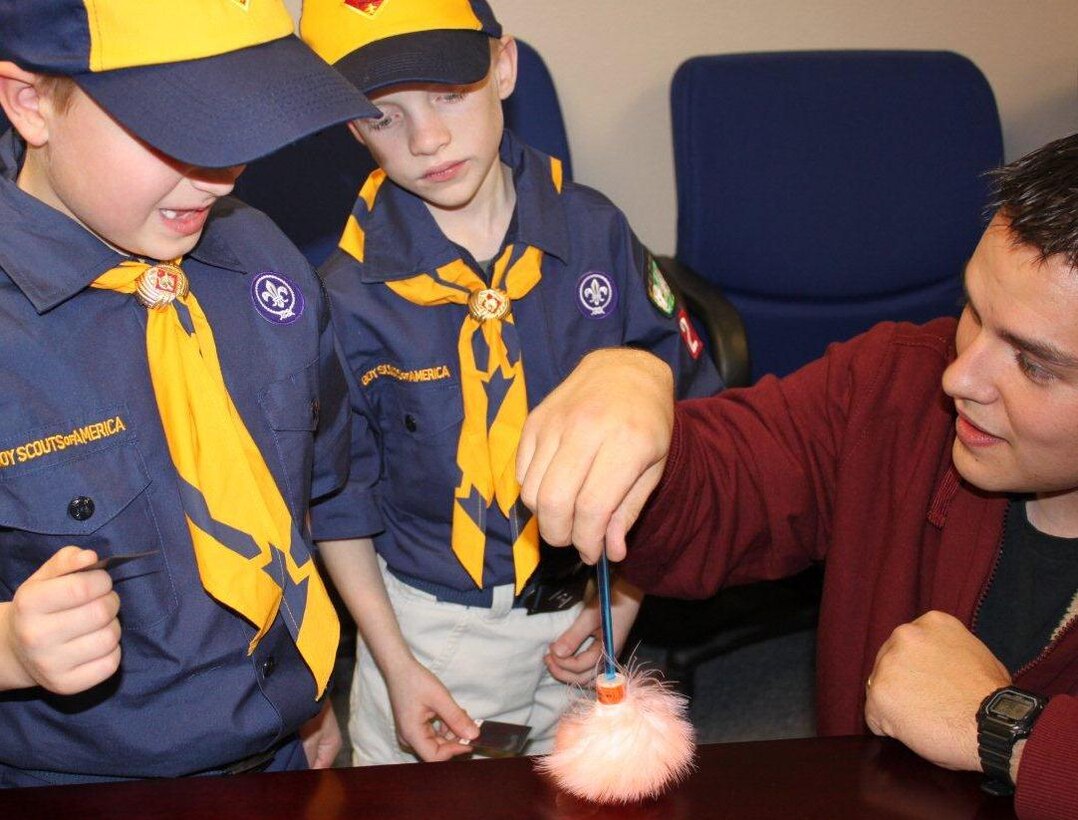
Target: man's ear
505, 66
353, 126
22, 103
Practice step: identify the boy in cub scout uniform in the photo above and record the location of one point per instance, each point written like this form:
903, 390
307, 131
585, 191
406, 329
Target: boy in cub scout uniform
171, 400
470, 279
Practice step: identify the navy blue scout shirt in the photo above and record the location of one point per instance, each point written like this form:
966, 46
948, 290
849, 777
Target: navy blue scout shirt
593, 294
83, 460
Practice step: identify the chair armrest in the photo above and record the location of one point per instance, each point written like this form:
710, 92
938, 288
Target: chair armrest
721, 321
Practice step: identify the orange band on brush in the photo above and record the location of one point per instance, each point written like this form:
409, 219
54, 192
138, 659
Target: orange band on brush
610, 691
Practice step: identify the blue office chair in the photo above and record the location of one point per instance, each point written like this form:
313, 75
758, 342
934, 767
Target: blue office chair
308, 188
824, 191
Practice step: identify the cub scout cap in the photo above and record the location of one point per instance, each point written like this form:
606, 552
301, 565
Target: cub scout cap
377, 43
208, 82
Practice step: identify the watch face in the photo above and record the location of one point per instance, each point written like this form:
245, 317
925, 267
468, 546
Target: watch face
1011, 706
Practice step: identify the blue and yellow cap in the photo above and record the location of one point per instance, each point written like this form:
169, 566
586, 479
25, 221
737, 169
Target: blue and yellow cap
208, 82
378, 43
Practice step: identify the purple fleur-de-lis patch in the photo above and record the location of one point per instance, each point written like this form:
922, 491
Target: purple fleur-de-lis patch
596, 295
276, 298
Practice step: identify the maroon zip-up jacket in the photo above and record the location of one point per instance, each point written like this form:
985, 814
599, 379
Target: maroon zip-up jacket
848, 461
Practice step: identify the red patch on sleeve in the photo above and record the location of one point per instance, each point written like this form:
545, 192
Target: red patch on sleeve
689, 335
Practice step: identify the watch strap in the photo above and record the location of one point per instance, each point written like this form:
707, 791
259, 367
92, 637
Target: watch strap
995, 753
997, 736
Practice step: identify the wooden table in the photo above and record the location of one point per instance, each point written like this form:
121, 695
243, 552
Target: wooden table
849, 777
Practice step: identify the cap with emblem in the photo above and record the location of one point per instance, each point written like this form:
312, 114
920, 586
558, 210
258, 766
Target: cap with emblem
209, 82
378, 43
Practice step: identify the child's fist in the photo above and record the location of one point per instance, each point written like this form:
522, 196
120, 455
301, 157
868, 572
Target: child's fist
60, 631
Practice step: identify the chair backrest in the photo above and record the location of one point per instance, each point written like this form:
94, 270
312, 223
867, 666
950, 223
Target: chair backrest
826, 191
308, 188
533, 112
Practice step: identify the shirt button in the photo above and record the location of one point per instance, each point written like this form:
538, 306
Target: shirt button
410, 423
268, 665
80, 508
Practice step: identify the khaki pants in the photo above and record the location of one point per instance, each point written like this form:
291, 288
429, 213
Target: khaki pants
491, 661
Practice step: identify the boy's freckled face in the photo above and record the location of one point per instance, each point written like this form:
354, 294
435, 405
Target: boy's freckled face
135, 198
439, 142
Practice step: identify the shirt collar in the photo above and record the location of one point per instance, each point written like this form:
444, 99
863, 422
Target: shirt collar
50, 256
213, 247
402, 239
541, 219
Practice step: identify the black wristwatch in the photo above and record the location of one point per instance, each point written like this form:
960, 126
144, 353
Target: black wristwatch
1005, 717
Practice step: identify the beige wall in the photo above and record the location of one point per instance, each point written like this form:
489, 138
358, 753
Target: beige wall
612, 61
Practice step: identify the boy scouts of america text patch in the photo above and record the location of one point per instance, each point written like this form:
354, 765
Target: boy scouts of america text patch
54, 441
276, 298
596, 295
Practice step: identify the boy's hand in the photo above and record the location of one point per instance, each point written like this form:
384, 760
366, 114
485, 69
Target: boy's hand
60, 631
321, 736
565, 660
428, 720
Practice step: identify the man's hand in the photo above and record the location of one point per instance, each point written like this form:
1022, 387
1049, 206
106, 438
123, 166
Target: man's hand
567, 662
428, 720
60, 630
594, 449
321, 737
928, 682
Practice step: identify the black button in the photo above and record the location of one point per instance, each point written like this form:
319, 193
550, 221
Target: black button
315, 407
80, 508
409, 423
268, 665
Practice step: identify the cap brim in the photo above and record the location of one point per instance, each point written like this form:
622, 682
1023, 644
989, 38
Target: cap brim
230, 109
443, 56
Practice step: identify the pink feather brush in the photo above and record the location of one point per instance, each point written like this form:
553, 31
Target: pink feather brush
629, 742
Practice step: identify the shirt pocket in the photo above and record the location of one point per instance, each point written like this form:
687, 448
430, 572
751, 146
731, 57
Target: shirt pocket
98, 501
420, 425
291, 406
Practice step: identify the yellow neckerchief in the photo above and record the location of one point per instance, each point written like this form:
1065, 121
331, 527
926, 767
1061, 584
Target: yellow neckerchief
251, 556
486, 457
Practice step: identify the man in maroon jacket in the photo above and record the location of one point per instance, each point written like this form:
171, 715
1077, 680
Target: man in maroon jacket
933, 469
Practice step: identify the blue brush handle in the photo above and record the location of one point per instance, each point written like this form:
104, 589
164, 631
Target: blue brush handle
602, 571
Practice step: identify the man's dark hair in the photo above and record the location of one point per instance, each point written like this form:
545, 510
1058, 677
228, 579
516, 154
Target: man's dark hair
1038, 194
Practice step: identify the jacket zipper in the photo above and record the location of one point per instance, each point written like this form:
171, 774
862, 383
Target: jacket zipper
992, 574
1051, 645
